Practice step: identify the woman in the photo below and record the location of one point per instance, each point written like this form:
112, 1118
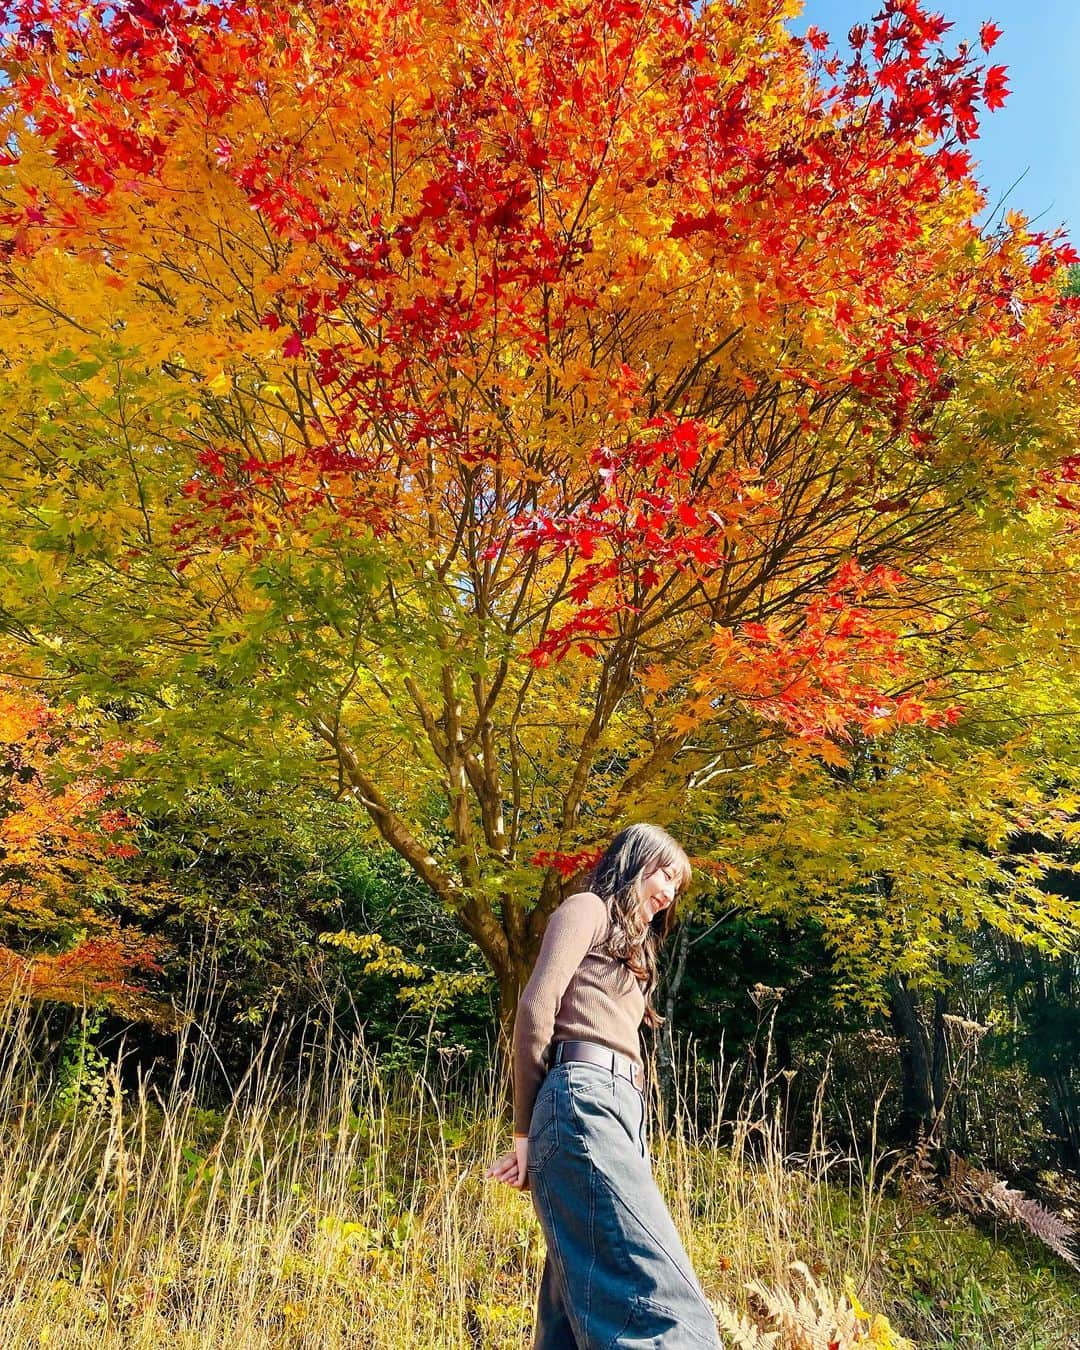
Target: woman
616, 1272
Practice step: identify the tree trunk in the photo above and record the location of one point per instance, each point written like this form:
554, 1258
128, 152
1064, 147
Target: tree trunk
665, 1041
511, 977
922, 1060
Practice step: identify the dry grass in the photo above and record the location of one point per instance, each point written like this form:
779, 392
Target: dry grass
346, 1206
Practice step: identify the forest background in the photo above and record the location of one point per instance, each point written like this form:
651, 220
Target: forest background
434, 438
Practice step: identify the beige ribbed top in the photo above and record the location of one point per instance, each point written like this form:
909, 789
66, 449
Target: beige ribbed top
575, 993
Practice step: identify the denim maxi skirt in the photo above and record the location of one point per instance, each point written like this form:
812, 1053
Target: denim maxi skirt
616, 1272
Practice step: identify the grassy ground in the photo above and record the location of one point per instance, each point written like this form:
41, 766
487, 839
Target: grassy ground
348, 1208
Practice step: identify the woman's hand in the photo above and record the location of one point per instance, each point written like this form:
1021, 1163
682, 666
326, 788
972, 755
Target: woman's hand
511, 1167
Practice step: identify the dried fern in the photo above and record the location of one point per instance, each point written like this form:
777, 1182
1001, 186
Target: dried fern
815, 1319
810, 1320
980, 1192
920, 1181
741, 1332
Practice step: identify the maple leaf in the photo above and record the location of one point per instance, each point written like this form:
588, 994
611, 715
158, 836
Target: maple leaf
955, 163
817, 39
995, 90
988, 35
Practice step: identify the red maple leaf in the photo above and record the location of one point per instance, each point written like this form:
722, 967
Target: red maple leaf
994, 87
817, 39
955, 163
988, 35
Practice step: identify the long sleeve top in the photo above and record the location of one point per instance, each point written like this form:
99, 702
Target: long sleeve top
575, 992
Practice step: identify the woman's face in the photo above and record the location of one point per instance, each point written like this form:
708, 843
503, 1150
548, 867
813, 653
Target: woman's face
658, 890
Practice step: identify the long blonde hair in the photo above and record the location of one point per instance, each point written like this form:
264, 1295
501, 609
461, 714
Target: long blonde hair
617, 878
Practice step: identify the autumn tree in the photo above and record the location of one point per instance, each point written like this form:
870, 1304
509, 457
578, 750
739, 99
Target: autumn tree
63, 832
512, 415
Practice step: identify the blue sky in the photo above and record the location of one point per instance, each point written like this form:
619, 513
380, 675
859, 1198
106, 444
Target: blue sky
1038, 129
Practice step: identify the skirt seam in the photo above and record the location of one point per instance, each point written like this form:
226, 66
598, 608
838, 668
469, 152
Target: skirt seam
571, 1312
657, 1243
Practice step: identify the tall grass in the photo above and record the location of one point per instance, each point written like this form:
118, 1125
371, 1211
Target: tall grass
343, 1205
